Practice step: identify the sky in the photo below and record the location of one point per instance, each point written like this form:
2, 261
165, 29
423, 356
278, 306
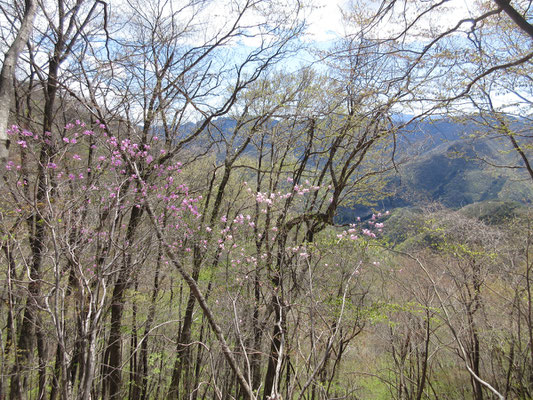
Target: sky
324, 19
326, 22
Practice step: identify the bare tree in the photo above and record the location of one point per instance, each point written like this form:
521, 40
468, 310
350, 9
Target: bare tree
450, 67
475, 279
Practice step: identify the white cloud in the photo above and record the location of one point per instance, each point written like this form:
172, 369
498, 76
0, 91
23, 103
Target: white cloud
326, 22
324, 18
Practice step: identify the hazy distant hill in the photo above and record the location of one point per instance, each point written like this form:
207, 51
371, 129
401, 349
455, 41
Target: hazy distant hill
443, 161
456, 170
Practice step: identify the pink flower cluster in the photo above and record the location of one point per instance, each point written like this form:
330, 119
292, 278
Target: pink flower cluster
270, 198
351, 233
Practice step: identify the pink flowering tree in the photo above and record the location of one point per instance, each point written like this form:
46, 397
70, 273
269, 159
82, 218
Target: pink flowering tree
93, 234
109, 229
103, 65
114, 214
115, 217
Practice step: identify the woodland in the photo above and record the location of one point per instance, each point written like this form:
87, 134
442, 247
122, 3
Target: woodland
198, 201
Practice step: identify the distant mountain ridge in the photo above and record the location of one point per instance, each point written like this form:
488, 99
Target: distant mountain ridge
444, 161
455, 168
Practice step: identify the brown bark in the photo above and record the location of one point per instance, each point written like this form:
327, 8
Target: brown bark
273, 358
517, 18
113, 376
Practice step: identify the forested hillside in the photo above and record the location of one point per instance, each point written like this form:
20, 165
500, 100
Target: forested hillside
201, 202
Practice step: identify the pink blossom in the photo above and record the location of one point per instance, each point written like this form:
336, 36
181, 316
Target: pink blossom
369, 233
13, 130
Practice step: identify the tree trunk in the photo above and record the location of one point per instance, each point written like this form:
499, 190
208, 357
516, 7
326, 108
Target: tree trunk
113, 356
7, 75
274, 353
183, 362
